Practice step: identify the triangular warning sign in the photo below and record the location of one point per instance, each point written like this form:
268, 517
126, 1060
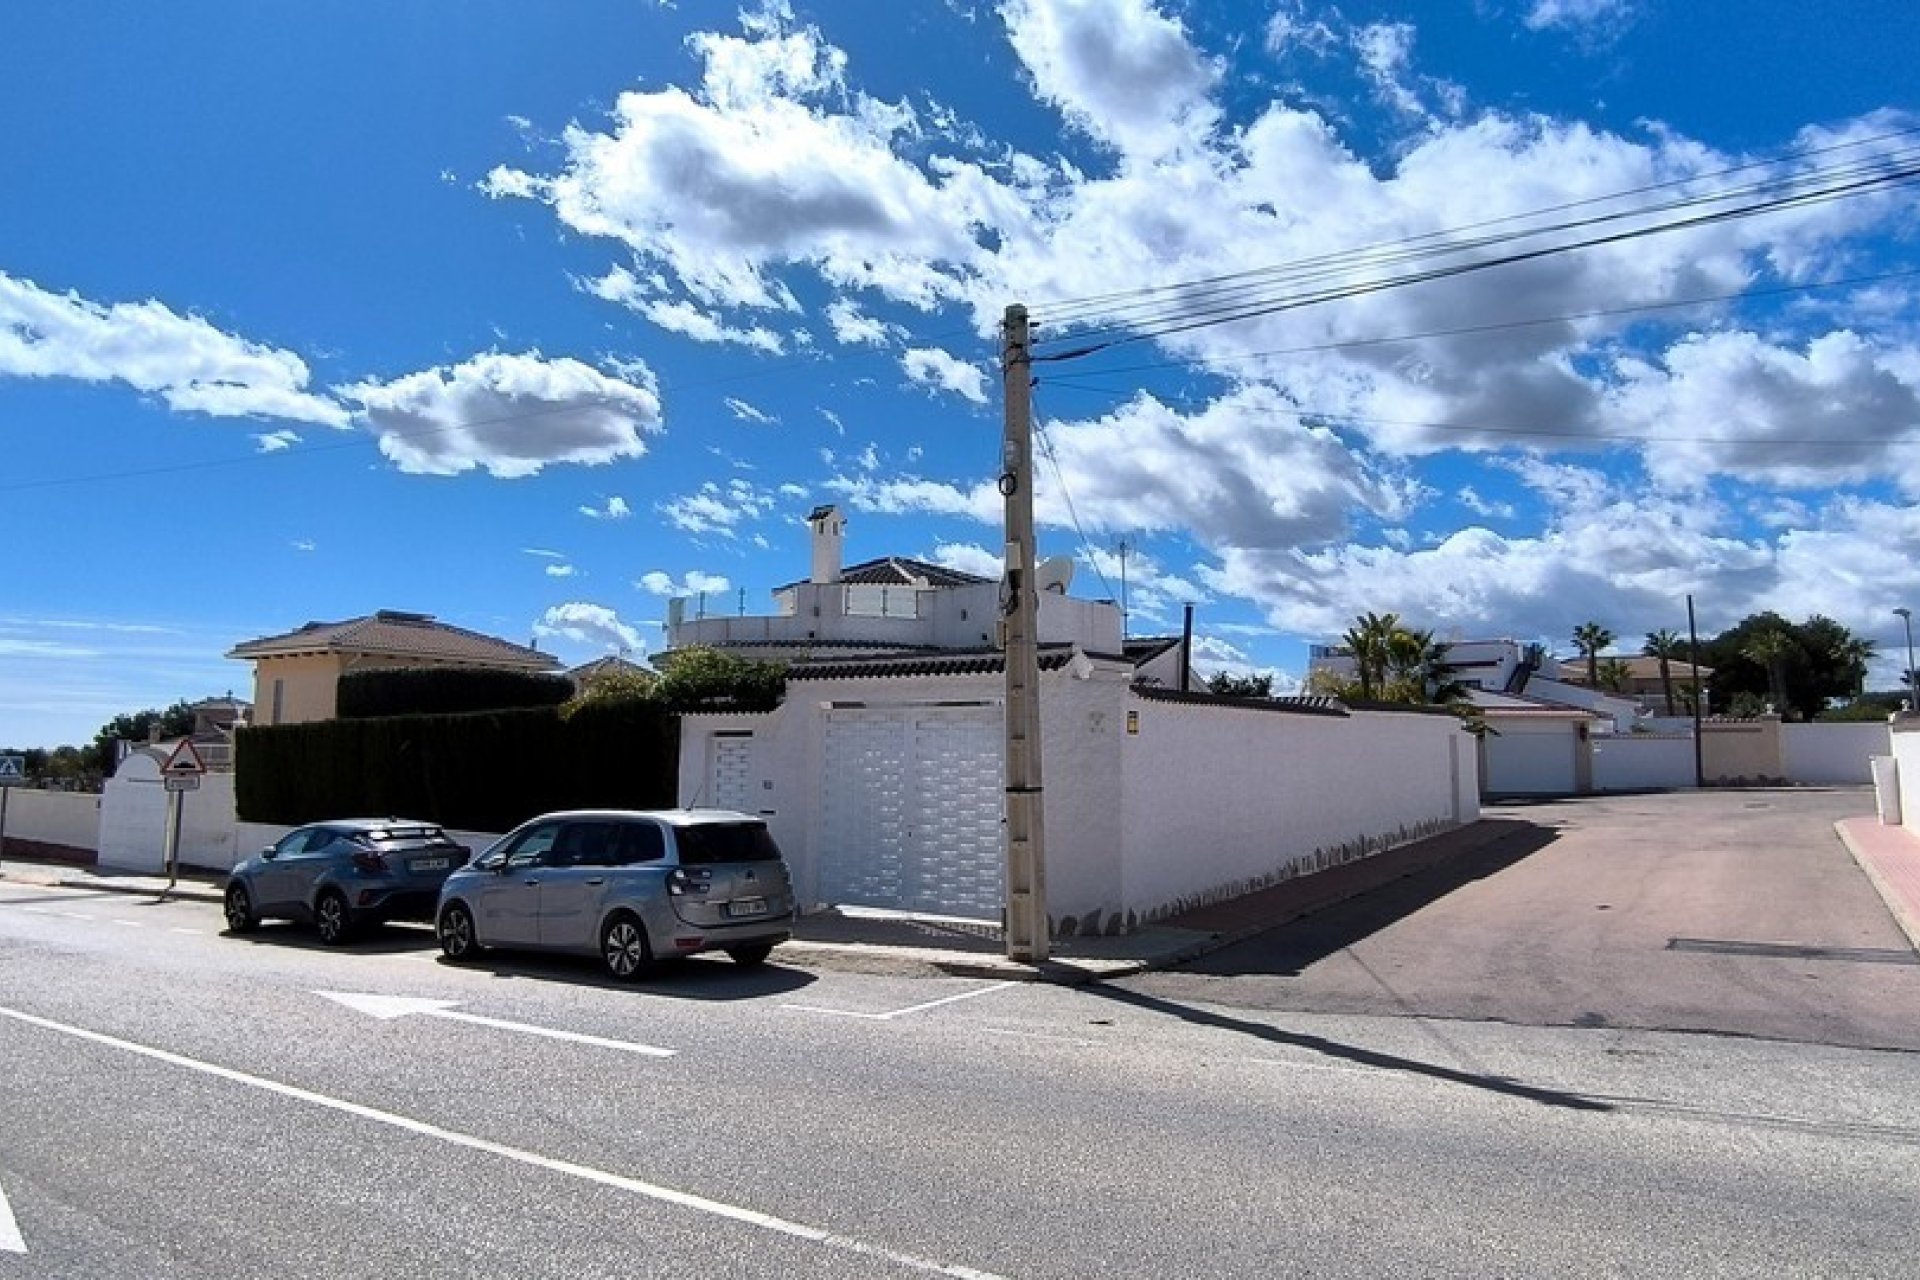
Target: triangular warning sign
12, 766
184, 759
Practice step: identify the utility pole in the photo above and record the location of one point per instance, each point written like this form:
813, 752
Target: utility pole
1027, 933
1124, 548
1699, 696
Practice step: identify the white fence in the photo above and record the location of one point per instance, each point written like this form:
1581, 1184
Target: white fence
67, 818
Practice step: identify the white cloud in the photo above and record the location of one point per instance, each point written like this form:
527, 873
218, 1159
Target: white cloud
1120, 70
276, 441
594, 626
718, 509
695, 583
303, 544
747, 412
616, 508
1578, 14
912, 495
855, 327
561, 571
544, 553
510, 415
969, 557
1470, 499
192, 366
932, 367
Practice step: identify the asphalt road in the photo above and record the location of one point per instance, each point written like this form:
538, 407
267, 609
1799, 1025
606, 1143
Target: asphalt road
179, 1103
1738, 912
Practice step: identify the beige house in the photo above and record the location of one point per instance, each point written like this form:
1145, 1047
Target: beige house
1642, 677
296, 676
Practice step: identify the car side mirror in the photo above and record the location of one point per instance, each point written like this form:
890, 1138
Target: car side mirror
269, 853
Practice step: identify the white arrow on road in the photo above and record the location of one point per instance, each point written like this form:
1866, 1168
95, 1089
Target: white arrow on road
387, 1008
11, 1241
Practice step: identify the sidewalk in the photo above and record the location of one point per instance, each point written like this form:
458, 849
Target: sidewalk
866, 940
1891, 858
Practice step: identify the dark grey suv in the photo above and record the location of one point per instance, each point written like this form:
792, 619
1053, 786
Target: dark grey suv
340, 875
625, 885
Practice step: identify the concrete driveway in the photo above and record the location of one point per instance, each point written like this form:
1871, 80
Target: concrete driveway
1723, 911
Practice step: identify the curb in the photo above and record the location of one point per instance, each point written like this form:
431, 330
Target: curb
1905, 915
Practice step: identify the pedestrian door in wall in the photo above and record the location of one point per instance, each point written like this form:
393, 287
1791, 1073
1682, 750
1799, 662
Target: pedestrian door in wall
730, 771
911, 803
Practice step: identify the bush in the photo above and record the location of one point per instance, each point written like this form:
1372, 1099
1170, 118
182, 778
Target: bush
484, 771
405, 691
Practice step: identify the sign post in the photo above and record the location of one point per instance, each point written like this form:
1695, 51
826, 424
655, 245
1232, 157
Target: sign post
13, 773
181, 773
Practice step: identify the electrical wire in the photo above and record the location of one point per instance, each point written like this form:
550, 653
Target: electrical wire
1334, 418
1076, 310
1086, 545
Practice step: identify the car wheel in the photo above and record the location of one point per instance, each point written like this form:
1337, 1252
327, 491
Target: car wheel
240, 916
457, 941
332, 918
751, 957
623, 947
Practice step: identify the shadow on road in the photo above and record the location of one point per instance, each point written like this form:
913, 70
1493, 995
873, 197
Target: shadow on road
1349, 1052
706, 977
1289, 949
368, 939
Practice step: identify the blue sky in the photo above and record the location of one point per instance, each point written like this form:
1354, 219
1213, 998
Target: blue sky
532, 316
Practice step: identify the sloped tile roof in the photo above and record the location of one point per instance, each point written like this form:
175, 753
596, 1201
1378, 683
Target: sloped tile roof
901, 571
952, 662
398, 635
1306, 706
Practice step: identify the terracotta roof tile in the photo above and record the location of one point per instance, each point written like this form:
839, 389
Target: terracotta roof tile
401, 635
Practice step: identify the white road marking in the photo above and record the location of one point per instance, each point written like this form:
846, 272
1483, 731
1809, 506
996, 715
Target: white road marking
131, 924
387, 1008
899, 1013
72, 915
178, 929
38, 911
586, 1173
11, 1241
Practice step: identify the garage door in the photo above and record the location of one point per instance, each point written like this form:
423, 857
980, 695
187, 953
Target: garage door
1521, 763
911, 810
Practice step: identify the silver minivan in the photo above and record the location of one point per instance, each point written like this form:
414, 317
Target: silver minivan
626, 885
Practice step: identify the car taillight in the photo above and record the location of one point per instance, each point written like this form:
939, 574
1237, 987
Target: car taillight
369, 860
682, 880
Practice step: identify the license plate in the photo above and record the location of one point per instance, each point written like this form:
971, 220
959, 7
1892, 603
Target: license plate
747, 907
429, 864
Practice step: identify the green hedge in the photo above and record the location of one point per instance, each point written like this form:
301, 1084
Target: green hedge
486, 771
445, 691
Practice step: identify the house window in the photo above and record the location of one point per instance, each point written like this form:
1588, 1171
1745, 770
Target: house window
279, 687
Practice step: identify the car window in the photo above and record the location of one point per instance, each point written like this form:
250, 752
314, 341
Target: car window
592, 844
532, 845
638, 842
706, 843
294, 842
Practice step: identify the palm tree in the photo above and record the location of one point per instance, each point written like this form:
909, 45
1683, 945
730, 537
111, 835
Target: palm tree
1771, 649
1852, 655
1368, 640
1590, 638
1615, 675
1664, 644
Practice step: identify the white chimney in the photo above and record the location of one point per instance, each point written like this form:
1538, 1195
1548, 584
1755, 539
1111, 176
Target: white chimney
829, 533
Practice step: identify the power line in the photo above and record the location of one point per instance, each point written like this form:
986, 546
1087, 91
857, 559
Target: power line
1601, 313
1252, 309
1046, 445
1333, 418
1071, 311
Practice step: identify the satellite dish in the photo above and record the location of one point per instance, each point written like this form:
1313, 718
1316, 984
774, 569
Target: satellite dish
1054, 574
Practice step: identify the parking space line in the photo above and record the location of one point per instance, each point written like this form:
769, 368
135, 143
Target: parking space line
1039, 1035
131, 924
195, 932
586, 1173
898, 1013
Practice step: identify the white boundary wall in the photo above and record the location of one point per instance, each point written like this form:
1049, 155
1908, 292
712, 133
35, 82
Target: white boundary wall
1202, 802
1222, 800
1906, 753
1642, 761
70, 818
1832, 754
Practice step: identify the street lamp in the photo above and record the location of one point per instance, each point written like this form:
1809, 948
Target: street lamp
1906, 616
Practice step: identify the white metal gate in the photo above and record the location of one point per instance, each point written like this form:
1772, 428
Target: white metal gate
730, 772
911, 809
